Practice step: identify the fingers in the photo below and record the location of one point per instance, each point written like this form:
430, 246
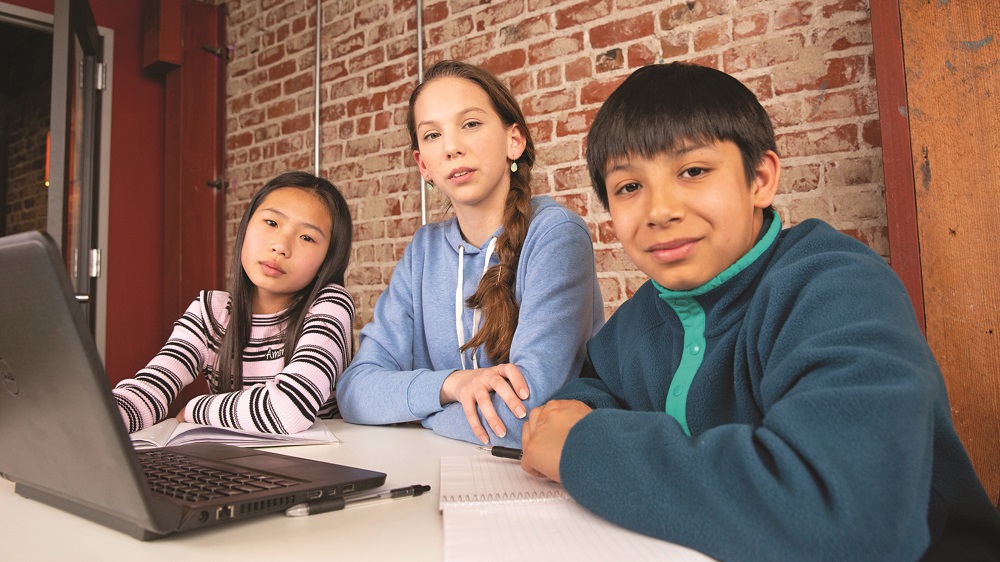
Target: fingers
472, 415
474, 390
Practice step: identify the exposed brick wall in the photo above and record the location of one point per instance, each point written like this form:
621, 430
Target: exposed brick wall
810, 62
26, 122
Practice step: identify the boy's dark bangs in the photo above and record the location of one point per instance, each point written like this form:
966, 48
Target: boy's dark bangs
664, 108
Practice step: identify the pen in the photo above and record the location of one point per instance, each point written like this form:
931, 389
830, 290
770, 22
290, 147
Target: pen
334, 504
503, 452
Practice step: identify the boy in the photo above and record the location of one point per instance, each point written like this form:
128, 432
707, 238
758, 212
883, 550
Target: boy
768, 394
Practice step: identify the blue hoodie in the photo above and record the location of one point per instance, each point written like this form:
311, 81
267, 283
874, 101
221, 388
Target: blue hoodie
411, 345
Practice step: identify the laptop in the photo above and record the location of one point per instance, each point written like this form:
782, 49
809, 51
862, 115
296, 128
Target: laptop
63, 442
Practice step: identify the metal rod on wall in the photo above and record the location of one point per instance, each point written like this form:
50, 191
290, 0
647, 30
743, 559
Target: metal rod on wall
316, 80
420, 80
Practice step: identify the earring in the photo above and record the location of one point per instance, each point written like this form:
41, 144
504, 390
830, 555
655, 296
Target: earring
513, 167
428, 183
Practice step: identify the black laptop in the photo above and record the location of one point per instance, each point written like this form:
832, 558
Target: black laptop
62, 440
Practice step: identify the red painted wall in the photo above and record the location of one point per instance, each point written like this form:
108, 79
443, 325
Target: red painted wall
135, 228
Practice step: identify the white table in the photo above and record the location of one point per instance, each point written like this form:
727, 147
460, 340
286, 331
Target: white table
406, 529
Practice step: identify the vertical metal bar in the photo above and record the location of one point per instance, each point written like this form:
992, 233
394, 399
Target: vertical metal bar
316, 85
420, 80
59, 115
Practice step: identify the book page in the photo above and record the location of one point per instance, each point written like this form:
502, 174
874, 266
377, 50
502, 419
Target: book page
183, 433
485, 478
155, 435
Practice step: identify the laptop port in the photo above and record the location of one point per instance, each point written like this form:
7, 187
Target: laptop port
348, 488
314, 495
224, 512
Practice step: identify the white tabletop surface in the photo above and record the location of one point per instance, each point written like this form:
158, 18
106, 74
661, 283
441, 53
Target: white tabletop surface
406, 529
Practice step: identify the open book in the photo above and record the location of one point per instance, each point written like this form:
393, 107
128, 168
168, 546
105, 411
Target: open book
493, 510
170, 432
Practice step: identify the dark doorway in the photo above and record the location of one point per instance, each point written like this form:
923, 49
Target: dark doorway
25, 91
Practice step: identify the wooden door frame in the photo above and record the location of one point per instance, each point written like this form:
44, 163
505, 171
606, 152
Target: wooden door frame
897, 154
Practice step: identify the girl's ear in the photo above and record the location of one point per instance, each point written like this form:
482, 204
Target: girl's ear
765, 181
420, 165
515, 142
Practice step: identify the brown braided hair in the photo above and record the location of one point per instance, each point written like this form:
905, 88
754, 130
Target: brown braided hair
495, 294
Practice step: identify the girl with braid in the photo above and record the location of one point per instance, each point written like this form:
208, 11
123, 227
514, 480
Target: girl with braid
488, 312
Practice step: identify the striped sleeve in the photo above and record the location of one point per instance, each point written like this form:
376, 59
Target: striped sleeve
144, 399
289, 401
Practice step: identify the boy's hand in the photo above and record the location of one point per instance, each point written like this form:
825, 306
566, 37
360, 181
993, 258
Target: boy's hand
475, 387
544, 435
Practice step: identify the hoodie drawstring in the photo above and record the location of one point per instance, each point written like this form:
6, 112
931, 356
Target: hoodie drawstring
460, 302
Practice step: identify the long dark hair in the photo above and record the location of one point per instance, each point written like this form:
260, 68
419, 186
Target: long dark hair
495, 294
241, 290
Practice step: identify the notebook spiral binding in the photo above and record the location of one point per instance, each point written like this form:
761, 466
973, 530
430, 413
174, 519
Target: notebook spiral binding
519, 497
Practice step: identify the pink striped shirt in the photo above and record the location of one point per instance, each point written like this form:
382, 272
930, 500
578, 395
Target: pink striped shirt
278, 396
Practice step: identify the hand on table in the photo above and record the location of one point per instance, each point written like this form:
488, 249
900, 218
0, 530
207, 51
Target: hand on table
544, 435
475, 387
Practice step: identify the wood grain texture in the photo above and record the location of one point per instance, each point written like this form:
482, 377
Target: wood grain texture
952, 60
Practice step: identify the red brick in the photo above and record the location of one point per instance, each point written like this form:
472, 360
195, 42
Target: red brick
267, 93
386, 75
366, 60
751, 25
541, 131
371, 13
529, 28
554, 48
640, 54
578, 70
548, 103
871, 133
687, 13
829, 140
770, 52
549, 77
271, 55
347, 45
295, 124
582, 13
621, 31
711, 37
281, 109
836, 73
298, 83
675, 45
597, 92
433, 13
609, 61
450, 30
794, 14
843, 104
800, 178
472, 47
500, 12
574, 177
505, 62
611, 288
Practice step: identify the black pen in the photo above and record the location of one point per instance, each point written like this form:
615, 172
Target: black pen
334, 504
503, 452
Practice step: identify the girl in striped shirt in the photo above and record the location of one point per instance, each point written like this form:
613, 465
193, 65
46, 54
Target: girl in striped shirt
272, 347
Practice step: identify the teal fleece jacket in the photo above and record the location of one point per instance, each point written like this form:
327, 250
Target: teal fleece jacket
790, 409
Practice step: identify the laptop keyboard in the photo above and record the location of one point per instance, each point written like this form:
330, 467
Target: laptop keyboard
180, 476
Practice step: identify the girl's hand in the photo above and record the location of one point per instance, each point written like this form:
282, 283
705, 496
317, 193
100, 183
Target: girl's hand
475, 387
544, 435
180, 416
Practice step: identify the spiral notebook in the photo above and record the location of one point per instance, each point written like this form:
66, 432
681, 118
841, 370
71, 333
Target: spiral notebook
493, 510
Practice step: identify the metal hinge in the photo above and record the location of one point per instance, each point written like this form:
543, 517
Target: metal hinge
95, 262
102, 76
